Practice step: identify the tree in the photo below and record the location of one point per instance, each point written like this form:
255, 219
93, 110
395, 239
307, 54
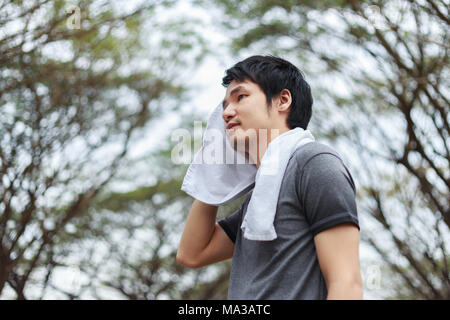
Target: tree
79, 82
379, 73
135, 255
130, 238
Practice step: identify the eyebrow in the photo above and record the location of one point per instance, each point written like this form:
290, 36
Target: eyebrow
238, 88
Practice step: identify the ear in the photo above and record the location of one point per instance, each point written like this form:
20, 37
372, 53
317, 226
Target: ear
284, 100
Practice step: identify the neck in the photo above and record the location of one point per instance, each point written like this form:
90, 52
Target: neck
263, 143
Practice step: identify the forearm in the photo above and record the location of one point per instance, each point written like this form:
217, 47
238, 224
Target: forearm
345, 291
198, 230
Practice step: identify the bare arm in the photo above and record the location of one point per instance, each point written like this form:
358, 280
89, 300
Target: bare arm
337, 251
203, 241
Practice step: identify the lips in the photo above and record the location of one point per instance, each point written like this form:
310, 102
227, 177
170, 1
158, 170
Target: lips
232, 124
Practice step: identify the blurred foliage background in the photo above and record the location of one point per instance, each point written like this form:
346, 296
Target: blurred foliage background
90, 201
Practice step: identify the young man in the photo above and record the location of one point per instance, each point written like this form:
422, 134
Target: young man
315, 254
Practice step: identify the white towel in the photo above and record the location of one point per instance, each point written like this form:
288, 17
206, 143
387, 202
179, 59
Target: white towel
209, 178
212, 179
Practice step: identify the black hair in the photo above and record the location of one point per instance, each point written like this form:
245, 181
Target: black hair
274, 74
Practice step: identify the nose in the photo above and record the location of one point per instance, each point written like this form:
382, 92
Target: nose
229, 113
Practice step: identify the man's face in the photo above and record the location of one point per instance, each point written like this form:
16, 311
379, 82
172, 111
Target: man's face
245, 104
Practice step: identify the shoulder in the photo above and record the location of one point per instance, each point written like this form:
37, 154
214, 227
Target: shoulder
316, 163
310, 151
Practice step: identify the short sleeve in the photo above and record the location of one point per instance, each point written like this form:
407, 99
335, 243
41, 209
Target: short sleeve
231, 223
327, 193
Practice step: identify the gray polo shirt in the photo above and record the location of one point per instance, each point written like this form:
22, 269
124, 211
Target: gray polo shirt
317, 192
